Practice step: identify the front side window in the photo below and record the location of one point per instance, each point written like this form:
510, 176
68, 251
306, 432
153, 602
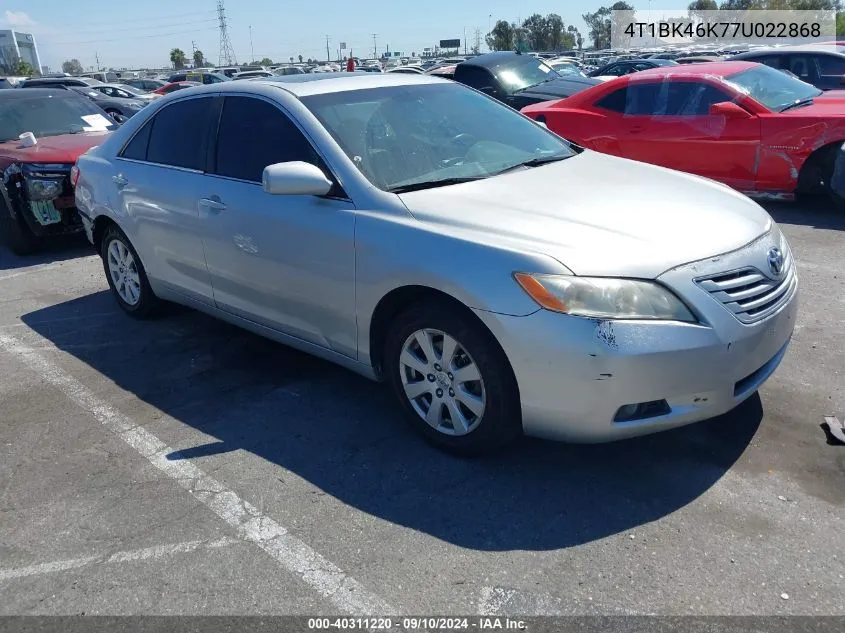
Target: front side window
179, 134
254, 134
401, 136
59, 113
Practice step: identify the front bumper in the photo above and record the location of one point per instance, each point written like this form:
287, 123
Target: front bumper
574, 374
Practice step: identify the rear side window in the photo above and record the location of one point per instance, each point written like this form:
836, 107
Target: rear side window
474, 77
179, 134
254, 134
831, 65
615, 101
137, 147
639, 99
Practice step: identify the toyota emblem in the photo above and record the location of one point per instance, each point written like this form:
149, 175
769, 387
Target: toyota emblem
775, 259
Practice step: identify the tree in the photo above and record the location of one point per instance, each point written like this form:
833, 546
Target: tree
535, 32
840, 23
72, 67
501, 37
576, 35
697, 6
265, 61
599, 23
199, 59
177, 58
300, 59
555, 32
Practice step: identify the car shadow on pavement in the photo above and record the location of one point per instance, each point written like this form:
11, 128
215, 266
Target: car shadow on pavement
818, 213
57, 249
344, 435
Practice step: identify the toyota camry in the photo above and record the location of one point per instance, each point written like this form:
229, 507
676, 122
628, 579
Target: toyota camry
422, 233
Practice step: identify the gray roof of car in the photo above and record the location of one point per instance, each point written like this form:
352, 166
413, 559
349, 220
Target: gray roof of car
321, 83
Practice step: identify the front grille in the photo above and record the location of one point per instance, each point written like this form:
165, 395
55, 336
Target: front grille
749, 294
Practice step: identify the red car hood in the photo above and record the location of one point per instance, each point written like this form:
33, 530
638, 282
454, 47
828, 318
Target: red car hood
827, 104
52, 149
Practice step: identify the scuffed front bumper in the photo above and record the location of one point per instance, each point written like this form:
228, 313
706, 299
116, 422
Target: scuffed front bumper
46, 215
575, 374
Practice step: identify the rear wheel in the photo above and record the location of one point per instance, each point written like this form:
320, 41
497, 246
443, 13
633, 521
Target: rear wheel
818, 175
452, 379
125, 274
15, 234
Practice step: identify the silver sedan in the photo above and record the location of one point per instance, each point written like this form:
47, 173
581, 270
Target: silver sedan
499, 279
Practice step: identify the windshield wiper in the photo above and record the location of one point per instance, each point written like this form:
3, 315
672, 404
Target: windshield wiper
798, 104
534, 162
431, 184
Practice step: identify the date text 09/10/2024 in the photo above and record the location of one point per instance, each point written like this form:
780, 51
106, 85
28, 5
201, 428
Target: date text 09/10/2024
481, 623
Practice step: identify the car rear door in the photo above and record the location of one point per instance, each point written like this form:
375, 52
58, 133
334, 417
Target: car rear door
286, 262
158, 181
830, 69
668, 123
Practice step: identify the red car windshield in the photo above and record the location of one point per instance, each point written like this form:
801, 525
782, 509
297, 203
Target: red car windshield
50, 115
774, 89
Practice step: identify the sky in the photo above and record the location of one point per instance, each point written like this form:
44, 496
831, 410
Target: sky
142, 33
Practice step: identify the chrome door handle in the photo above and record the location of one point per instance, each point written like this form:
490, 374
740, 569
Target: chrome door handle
212, 203
120, 181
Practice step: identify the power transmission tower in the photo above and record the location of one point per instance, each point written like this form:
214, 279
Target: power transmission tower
477, 47
227, 53
97, 58
328, 55
375, 48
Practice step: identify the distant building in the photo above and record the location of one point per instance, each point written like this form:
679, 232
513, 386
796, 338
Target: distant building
15, 45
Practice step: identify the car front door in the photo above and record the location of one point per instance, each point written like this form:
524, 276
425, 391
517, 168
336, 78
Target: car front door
668, 123
158, 182
284, 261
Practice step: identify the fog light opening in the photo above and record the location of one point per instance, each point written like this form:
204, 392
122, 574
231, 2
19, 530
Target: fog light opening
642, 411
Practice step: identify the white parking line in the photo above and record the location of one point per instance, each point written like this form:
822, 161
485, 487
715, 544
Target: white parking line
158, 551
251, 524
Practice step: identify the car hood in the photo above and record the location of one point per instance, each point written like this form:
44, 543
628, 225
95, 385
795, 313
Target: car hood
557, 88
53, 149
827, 104
597, 215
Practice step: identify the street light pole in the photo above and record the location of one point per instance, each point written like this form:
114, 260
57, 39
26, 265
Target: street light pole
251, 49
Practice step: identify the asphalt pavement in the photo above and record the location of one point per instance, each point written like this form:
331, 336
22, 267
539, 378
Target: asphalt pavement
183, 466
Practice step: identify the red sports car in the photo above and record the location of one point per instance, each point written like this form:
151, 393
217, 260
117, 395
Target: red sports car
741, 123
175, 85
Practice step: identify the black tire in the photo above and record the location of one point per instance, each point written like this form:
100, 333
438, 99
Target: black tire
501, 421
147, 302
16, 235
816, 177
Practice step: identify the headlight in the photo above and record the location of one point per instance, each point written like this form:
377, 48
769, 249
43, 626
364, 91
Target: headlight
604, 297
44, 189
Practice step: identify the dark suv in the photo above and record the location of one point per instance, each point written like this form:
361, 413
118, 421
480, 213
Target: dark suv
823, 69
52, 82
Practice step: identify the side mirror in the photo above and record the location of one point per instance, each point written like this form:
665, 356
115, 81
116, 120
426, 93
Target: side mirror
729, 110
295, 178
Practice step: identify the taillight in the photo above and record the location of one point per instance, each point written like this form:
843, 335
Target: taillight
74, 176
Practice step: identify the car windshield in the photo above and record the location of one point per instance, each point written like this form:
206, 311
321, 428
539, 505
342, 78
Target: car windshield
50, 115
774, 89
524, 72
565, 68
409, 135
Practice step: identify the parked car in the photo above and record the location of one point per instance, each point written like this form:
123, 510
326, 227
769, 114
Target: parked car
824, 69
36, 200
121, 91
5, 83
565, 67
365, 69
410, 70
107, 76
201, 77
518, 80
444, 71
252, 74
147, 85
49, 82
289, 70
227, 72
747, 125
438, 240
166, 89
698, 59
628, 66
119, 108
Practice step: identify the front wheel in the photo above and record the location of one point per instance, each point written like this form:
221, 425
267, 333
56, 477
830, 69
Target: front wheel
126, 275
15, 234
452, 379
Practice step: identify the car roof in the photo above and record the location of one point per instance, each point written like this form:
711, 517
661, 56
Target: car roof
720, 69
312, 84
34, 92
765, 52
493, 60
